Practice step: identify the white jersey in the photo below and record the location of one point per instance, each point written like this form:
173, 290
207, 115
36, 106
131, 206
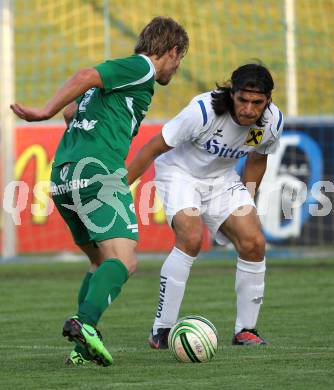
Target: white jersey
207, 146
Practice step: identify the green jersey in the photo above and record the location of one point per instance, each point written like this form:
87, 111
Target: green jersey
107, 119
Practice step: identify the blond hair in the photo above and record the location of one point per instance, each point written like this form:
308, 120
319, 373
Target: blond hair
160, 36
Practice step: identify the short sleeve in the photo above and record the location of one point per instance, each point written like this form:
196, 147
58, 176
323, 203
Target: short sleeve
124, 72
276, 128
185, 126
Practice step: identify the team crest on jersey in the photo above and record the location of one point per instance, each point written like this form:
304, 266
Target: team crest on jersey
254, 137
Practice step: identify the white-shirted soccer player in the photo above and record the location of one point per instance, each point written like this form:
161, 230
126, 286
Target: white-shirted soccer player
195, 157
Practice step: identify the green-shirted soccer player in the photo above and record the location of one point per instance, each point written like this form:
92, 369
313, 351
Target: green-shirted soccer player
104, 108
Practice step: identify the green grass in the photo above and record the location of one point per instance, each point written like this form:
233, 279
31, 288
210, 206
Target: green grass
297, 318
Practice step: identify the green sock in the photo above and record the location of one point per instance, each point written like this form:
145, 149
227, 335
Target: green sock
81, 297
104, 287
84, 287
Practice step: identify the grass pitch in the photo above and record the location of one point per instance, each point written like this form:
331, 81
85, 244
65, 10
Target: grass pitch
297, 318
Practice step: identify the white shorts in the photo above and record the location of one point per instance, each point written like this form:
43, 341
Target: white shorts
216, 199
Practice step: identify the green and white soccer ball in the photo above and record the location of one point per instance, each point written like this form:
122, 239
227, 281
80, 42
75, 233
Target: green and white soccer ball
193, 339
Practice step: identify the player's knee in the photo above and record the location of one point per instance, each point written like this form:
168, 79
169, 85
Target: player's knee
252, 247
132, 267
191, 242
130, 264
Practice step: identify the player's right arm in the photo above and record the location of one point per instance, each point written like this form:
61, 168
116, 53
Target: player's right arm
144, 158
77, 85
69, 112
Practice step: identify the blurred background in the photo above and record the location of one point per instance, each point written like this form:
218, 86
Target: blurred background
52, 39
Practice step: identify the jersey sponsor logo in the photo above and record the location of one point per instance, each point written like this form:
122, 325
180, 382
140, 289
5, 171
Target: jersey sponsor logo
68, 186
85, 100
214, 147
254, 137
84, 125
64, 172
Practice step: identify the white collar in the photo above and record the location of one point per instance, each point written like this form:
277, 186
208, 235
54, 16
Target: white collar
149, 62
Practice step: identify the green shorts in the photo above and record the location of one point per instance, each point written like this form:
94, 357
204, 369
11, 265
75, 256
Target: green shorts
95, 203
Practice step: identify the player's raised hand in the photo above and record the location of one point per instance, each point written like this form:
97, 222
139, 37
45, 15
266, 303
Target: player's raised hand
29, 114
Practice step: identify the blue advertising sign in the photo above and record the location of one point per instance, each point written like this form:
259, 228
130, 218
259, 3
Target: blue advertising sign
297, 192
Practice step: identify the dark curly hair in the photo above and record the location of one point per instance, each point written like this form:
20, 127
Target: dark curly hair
246, 78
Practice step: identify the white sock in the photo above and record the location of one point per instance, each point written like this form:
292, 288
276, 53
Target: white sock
249, 287
173, 278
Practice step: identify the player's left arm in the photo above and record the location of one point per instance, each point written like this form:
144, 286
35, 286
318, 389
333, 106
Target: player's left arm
254, 171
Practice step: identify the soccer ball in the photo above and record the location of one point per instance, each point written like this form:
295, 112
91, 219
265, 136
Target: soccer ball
193, 339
